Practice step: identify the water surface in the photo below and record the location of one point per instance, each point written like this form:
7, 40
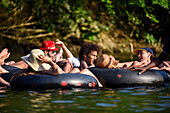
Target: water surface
132, 100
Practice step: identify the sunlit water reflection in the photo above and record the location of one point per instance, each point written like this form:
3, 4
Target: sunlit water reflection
136, 99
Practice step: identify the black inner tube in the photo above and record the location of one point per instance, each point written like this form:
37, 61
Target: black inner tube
43, 82
111, 78
7, 76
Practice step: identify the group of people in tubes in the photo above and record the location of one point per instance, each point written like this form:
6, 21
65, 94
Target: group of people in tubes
48, 59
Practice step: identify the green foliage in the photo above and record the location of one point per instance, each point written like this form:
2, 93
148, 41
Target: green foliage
110, 7
90, 36
163, 3
115, 5
150, 39
137, 34
66, 16
5, 3
75, 16
137, 11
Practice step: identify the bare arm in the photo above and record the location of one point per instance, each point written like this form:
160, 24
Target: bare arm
83, 65
65, 49
55, 68
156, 62
167, 69
2, 81
164, 63
125, 63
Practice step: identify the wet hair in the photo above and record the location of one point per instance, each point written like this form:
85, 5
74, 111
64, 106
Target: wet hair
87, 48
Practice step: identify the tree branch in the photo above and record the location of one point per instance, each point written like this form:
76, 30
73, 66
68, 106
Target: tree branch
32, 30
27, 37
15, 26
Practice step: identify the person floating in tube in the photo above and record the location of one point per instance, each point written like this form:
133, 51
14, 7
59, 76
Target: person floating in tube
158, 60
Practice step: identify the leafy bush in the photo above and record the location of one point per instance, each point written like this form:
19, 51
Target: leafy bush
64, 17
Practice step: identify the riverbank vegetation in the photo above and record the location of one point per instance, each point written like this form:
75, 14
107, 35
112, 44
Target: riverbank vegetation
116, 25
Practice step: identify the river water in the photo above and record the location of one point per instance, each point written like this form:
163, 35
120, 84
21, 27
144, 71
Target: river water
132, 100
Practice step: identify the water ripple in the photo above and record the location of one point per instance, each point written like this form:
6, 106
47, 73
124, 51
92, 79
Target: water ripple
3, 96
63, 101
106, 105
138, 93
164, 97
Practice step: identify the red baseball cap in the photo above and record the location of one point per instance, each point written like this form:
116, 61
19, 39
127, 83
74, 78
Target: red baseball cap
48, 45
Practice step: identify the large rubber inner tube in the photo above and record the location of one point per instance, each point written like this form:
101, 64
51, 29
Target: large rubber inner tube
43, 82
7, 76
112, 78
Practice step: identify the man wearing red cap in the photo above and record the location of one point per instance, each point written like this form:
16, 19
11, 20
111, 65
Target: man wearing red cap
49, 49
